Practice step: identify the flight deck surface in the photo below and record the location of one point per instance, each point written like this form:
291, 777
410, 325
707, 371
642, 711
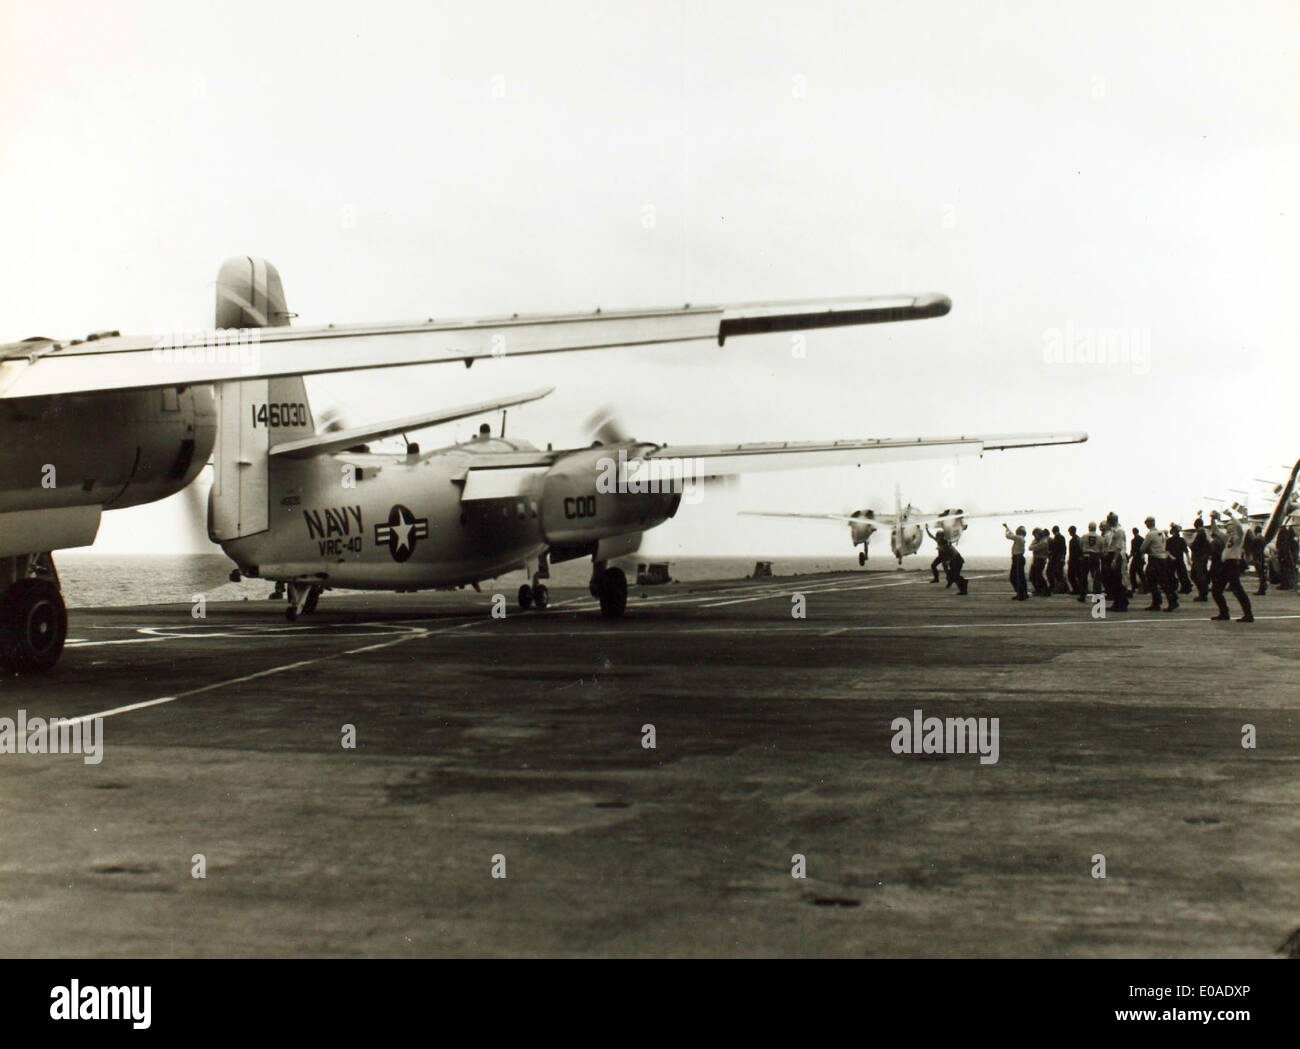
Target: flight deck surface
518, 743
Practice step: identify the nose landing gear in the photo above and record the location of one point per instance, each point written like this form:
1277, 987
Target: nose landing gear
536, 595
302, 600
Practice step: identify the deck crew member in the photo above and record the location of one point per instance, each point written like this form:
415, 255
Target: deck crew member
1160, 575
1114, 563
1254, 554
940, 553
1017, 576
1176, 546
1056, 562
1286, 557
1136, 578
1039, 549
952, 563
1092, 559
1201, 561
1231, 564
1074, 571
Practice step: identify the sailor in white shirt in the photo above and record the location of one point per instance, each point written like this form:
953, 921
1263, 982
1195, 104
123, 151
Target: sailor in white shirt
1160, 575
1230, 568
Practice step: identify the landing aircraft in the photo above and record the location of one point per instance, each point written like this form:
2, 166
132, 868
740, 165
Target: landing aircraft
906, 522
113, 421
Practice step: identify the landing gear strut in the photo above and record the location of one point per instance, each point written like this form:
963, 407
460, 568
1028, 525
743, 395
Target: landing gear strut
609, 585
302, 600
536, 595
33, 618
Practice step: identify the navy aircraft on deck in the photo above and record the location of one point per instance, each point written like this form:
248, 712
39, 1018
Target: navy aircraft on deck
906, 523
115, 421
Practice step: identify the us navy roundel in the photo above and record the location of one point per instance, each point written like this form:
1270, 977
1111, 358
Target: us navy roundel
401, 532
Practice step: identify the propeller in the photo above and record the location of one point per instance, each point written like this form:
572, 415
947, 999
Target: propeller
193, 510
606, 427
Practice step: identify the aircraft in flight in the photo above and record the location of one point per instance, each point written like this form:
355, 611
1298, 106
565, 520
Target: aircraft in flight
113, 421
906, 524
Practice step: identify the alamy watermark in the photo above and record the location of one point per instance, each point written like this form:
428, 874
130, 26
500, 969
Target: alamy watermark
649, 477
84, 736
238, 346
922, 735
1112, 347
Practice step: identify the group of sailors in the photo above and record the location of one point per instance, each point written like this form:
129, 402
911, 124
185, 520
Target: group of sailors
1106, 560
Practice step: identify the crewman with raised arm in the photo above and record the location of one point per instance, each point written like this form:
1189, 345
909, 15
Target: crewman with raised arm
1017, 576
1231, 564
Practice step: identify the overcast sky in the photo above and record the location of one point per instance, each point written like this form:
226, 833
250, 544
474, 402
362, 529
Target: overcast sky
1058, 170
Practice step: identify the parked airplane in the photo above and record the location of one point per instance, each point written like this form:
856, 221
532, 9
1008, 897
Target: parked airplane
114, 421
906, 523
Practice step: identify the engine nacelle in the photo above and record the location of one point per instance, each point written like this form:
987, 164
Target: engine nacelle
587, 496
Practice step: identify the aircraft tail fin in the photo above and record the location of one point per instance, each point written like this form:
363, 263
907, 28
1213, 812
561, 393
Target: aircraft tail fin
1284, 507
255, 415
250, 294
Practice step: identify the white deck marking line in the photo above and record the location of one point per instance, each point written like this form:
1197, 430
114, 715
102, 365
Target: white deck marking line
749, 587
794, 628
413, 635
796, 590
838, 587
83, 643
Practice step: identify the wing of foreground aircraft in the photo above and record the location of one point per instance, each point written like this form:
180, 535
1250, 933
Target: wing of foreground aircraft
504, 475
39, 367
720, 460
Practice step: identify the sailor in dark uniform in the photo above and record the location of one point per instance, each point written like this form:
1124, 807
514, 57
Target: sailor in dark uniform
1201, 561
1176, 547
1075, 571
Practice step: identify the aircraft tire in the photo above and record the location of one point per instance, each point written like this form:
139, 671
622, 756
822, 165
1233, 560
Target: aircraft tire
613, 593
33, 626
541, 596
525, 597
862, 557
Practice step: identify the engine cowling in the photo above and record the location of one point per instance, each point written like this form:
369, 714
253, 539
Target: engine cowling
592, 495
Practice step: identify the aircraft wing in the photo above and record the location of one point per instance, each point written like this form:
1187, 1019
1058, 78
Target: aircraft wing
845, 518
339, 440
41, 367
932, 518
722, 460
507, 475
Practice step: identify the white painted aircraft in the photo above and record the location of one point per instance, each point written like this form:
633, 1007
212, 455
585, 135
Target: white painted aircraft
907, 523
113, 421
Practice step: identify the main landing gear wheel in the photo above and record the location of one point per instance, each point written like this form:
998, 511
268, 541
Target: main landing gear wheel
33, 625
862, 557
541, 596
525, 597
613, 593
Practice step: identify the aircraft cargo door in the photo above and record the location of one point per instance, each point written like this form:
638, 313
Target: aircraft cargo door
239, 489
